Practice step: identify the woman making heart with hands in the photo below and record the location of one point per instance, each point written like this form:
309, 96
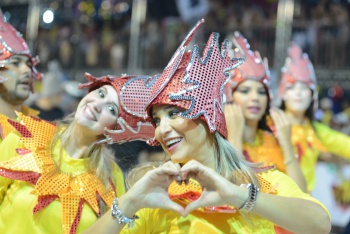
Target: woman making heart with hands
206, 187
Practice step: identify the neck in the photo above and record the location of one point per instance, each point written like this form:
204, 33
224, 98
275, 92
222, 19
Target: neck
295, 118
9, 110
78, 142
250, 130
207, 151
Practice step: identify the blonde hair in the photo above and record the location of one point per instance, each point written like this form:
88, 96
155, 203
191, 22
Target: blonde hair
101, 161
231, 164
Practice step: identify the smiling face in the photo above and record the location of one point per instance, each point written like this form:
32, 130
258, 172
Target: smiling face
297, 98
98, 110
182, 139
252, 97
19, 79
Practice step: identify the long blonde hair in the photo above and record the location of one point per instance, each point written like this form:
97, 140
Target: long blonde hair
231, 164
101, 161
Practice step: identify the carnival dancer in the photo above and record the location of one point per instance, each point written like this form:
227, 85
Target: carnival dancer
58, 178
17, 72
206, 187
299, 99
249, 120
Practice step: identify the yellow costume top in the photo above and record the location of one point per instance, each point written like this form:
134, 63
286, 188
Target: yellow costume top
36, 195
266, 150
309, 144
6, 127
166, 221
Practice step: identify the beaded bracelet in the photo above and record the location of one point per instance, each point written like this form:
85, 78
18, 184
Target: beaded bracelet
117, 214
251, 200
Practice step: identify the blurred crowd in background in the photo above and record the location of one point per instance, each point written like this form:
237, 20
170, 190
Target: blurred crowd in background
94, 36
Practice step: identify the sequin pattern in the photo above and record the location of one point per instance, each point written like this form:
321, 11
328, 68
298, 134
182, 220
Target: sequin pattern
134, 92
196, 83
12, 42
36, 166
253, 68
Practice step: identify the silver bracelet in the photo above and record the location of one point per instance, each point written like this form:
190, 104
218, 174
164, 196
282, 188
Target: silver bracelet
251, 200
117, 214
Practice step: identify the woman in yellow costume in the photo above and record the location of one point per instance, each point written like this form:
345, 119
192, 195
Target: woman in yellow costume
206, 187
247, 118
58, 178
17, 72
299, 99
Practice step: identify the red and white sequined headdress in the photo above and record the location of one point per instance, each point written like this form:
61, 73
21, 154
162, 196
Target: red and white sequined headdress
298, 67
196, 83
253, 68
11, 43
133, 93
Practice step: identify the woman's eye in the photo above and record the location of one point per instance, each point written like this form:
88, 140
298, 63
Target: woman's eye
112, 110
243, 91
173, 113
101, 93
262, 92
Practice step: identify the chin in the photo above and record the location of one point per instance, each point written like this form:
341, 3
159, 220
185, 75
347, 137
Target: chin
178, 159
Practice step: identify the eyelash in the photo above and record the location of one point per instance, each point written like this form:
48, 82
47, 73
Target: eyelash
110, 107
247, 91
171, 113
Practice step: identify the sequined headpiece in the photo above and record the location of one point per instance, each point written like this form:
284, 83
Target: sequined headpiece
196, 84
133, 93
253, 68
11, 43
298, 67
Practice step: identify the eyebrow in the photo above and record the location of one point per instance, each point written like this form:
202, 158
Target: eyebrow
104, 89
164, 108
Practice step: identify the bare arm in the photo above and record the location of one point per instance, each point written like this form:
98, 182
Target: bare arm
291, 209
284, 131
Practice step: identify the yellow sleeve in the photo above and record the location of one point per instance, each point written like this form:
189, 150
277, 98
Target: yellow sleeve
119, 180
7, 151
144, 223
286, 187
335, 142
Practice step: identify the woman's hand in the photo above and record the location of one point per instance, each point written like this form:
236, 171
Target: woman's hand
283, 126
152, 189
217, 190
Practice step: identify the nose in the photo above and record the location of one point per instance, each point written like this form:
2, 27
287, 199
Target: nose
164, 127
97, 107
254, 96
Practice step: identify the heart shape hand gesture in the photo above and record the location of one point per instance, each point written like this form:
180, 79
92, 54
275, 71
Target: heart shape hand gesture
151, 191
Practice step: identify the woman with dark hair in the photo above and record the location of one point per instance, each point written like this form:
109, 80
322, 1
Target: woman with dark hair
207, 187
58, 178
247, 116
299, 99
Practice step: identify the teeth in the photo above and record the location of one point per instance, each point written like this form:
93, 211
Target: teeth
88, 112
173, 141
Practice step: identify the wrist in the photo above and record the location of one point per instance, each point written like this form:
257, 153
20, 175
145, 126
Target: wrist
127, 206
249, 203
120, 217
